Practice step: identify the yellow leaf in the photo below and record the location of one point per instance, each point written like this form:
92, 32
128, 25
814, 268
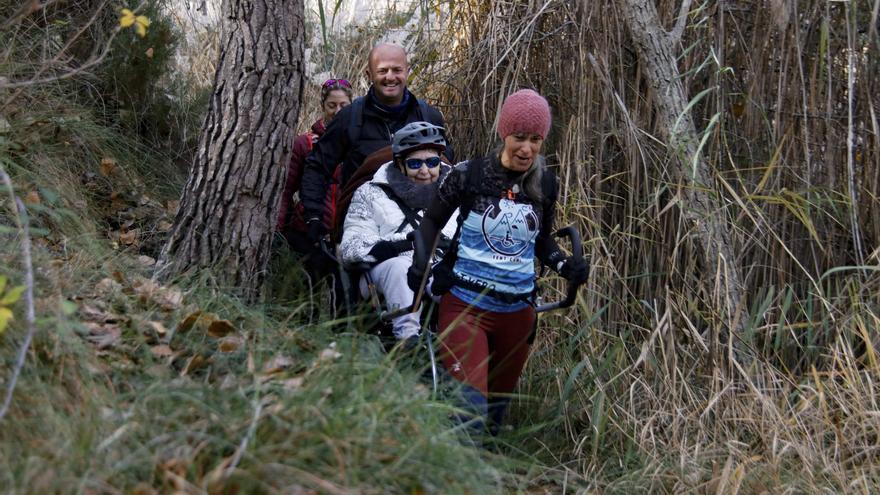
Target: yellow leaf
127, 18
5, 316
142, 24
12, 296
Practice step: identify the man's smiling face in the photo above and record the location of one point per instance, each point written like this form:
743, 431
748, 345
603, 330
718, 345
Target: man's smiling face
388, 70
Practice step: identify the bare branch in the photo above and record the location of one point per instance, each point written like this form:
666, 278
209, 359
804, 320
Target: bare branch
26, 9
680, 23
93, 61
30, 318
522, 33
66, 75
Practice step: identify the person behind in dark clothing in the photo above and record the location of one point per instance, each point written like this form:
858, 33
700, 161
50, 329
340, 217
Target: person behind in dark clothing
361, 128
335, 95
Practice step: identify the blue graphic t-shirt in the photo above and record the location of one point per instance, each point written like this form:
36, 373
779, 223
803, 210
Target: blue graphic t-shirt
496, 246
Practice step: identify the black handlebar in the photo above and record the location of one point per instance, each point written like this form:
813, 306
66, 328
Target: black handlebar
577, 252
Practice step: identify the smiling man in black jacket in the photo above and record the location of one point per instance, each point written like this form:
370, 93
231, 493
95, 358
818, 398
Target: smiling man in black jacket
362, 128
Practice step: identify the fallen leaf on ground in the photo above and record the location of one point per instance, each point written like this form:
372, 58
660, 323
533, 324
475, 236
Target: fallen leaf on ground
158, 327
164, 226
108, 167
108, 285
119, 277
103, 335
32, 198
229, 344
172, 205
194, 363
220, 328
129, 238
92, 313
293, 384
330, 353
146, 261
187, 323
161, 351
277, 364
169, 298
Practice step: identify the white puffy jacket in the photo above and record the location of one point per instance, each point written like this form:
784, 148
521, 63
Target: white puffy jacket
373, 216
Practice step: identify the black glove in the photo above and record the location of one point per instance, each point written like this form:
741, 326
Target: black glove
414, 277
574, 270
384, 250
316, 230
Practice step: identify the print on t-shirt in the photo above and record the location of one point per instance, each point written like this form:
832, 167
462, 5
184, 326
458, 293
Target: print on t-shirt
496, 250
509, 227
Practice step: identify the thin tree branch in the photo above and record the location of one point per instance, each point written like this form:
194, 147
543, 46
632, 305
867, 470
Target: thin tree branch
93, 61
680, 23
30, 318
26, 9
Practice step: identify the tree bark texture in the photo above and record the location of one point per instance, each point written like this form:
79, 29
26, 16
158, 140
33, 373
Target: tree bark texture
702, 209
229, 204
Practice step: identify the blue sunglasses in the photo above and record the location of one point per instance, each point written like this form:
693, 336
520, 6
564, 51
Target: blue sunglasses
416, 163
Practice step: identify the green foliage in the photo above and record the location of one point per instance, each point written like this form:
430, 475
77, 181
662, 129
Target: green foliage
137, 88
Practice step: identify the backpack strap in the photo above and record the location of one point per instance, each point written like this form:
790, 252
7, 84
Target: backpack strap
356, 120
549, 186
424, 113
472, 183
410, 216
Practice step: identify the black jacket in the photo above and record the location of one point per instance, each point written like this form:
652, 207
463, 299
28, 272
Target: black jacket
374, 132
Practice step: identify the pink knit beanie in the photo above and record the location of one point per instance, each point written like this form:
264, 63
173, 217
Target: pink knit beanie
524, 111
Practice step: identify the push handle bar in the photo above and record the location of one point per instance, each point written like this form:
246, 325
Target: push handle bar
577, 252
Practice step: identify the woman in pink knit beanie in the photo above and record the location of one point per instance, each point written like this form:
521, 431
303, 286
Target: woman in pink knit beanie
506, 203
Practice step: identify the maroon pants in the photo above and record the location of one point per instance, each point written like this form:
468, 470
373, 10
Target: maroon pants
484, 349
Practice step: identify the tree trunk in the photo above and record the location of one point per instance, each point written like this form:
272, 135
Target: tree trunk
229, 205
702, 209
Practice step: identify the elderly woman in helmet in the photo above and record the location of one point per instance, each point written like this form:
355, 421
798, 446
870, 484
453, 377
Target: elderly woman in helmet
385, 209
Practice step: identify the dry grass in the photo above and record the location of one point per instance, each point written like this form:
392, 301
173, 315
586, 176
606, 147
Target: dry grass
650, 396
